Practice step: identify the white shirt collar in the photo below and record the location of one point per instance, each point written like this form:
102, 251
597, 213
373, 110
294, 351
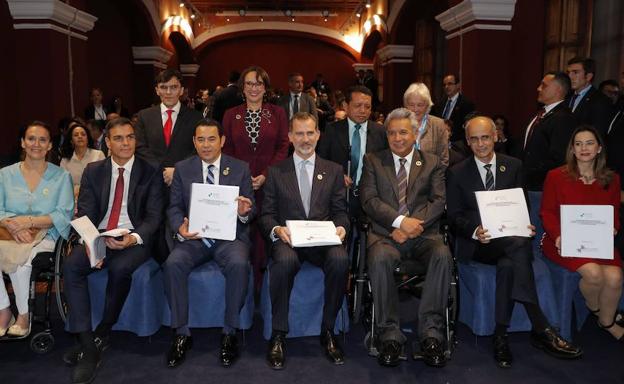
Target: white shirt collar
297, 159
480, 163
407, 157
583, 91
216, 163
293, 94
176, 108
454, 97
352, 124
550, 107
127, 167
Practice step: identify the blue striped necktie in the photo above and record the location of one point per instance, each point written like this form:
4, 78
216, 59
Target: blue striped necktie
209, 180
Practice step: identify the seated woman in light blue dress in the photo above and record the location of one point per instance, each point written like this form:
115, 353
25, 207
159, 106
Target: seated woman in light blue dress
36, 206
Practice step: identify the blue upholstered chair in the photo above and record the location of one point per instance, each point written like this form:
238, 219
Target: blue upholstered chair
142, 312
207, 299
306, 304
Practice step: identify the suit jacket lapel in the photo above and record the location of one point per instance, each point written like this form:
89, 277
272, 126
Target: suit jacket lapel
476, 176
290, 177
107, 171
135, 176
178, 124
388, 166
317, 183
414, 171
224, 178
343, 136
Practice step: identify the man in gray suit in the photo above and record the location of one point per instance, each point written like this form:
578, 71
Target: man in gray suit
403, 195
296, 100
304, 187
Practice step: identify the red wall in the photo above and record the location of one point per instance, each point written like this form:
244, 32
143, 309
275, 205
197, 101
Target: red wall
8, 82
279, 55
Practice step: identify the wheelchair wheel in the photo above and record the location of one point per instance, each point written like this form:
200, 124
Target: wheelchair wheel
42, 342
63, 248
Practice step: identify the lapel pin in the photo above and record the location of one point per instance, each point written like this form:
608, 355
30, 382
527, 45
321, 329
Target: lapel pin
238, 117
418, 163
226, 171
45, 191
319, 176
502, 168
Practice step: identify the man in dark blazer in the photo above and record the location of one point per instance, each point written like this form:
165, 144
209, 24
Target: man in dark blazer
212, 167
455, 107
588, 104
227, 98
337, 141
513, 256
402, 193
122, 191
96, 110
304, 187
304, 102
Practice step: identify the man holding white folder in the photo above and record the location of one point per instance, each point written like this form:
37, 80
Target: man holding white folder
122, 191
209, 166
488, 171
304, 187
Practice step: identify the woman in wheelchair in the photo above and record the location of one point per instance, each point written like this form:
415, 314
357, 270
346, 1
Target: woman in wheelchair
585, 179
36, 206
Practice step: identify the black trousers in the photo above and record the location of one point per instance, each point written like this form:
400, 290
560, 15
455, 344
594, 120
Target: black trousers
515, 281
383, 258
76, 268
285, 264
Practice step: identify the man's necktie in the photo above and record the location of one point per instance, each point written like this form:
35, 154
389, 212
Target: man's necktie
304, 186
168, 127
535, 122
356, 149
209, 180
402, 179
113, 219
447, 109
489, 177
573, 101
296, 104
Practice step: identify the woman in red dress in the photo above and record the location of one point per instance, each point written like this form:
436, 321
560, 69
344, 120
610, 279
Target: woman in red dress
256, 132
585, 180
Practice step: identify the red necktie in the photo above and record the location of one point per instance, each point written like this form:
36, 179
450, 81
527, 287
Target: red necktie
538, 118
113, 219
168, 127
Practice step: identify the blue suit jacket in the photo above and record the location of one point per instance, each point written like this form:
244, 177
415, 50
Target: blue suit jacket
190, 171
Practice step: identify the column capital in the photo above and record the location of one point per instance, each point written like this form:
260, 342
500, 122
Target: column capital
391, 54
189, 70
63, 18
151, 55
363, 67
470, 15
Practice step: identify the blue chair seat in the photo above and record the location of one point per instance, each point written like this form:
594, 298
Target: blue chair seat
207, 299
142, 312
477, 287
305, 312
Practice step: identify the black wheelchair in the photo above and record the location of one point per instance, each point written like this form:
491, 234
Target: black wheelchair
409, 278
46, 270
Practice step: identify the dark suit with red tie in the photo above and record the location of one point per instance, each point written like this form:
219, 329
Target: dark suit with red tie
145, 207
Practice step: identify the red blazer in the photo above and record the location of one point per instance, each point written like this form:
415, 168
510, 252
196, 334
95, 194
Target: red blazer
272, 146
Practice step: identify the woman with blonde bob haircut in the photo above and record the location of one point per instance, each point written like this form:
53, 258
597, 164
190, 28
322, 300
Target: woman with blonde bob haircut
431, 134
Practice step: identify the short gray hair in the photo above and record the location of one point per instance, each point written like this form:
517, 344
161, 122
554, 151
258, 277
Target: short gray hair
400, 114
418, 89
481, 117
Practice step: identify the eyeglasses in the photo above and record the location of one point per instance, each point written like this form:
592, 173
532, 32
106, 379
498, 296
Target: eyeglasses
252, 84
477, 139
169, 88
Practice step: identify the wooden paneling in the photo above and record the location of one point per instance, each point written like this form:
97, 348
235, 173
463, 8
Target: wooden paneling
568, 31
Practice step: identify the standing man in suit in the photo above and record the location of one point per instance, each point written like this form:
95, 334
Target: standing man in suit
455, 107
513, 256
122, 191
588, 104
227, 98
212, 167
304, 187
296, 100
402, 192
96, 110
346, 141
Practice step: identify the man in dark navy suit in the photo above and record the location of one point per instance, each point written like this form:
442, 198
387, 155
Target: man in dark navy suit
488, 171
122, 191
212, 167
455, 107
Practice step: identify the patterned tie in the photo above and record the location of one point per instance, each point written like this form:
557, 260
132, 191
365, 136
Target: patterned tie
402, 179
447, 109
113, 219
296, 104
168, 127
209, 180
535, 122
304, 186
355, 153
489, 178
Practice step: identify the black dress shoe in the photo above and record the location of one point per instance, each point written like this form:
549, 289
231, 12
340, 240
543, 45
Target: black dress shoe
550, 342
389, 353
502, 353
332, 348
177, 351
74, 354
86, 368
432, 352
229, 350
275, 355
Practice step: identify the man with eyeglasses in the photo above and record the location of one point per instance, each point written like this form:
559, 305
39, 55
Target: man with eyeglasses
456, 106
164, 135
488, 171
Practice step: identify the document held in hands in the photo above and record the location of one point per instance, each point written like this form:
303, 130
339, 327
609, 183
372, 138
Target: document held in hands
213, 211
307, 233
504, 212
587, 231
93, 239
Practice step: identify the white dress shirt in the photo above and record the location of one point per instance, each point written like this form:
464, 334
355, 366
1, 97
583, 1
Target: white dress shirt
449, 111
547, 109
174, 114
397, 165
483, 173
363, 131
